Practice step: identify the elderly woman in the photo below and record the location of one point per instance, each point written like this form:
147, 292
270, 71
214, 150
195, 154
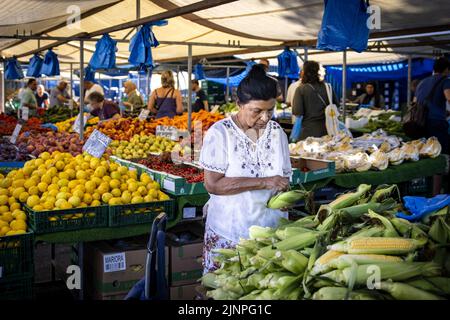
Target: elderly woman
246, 161
166, 101
133, 102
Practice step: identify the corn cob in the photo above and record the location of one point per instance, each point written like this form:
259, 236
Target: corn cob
297, 242
221, 294
255, 279
339, 293
397, 271
383, 193
389, 228
438, 285
257, 232
294, 261
346, 260
290, 232
321, 264
287, 199
376, 245
402, 291
351, 198
286, 286
209, 281
271, 280
440, 231
410, 230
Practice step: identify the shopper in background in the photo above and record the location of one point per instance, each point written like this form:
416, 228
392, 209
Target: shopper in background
133, 102
291, 90
438, 85
90, 87
59, 95
310, 101
246, 161
28, 98
201, 100
371, 97
166, 101
104, 109
265, 63
41, 97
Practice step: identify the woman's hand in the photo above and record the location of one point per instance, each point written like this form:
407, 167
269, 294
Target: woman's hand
276, 183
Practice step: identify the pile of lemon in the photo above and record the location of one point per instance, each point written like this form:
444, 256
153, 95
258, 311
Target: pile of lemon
60, 181
68, 124
13, 220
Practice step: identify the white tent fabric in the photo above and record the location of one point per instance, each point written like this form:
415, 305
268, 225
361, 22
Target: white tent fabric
248, 22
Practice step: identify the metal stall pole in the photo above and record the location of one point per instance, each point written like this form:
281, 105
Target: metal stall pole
147, 85
344, 82
178, 78
227, 93
189, 87
80, 244
408, 95
305, 53
71, 88
3, 95
285, 88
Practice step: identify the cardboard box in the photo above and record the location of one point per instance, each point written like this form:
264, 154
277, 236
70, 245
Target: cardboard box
115, 267
187, 292
318, 170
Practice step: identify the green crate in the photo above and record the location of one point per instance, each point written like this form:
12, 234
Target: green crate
319, 169
60, 220
20, 289
16, 256
128, 214
129, 164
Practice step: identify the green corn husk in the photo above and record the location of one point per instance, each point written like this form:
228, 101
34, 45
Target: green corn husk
297, 242
255, 279
339, 293
267, 294
403, 291
251, 296
257, 232
286, 286
389, 228
209, 280
268, 253
399, 271
226, 253
271, 280
287, 199
440, 231
437, 285
410, 230
384, 193
308, 222
376, 245
442, 212
346, 260
294, 261
367, 232
288, 232
221, 294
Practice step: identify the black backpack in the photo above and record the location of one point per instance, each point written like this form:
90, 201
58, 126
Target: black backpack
414, 122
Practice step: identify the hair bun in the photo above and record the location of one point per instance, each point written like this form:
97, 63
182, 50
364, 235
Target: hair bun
257, 71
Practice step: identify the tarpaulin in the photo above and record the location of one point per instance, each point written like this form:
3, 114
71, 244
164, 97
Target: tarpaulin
35, 66
287, 64
234, 80
420, 206
344, 25
50, 67
13, 70
89, 74
141, 45
104, 56
199, 73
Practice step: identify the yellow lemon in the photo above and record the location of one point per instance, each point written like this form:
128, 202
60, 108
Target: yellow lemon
7, 216
23, 196
95, 203
142, 191
132, 187
4, 192
137, 199
42, 186
74, 201
63, 175
14, 206
126, 197
33, 190
28, 183
12, 200
4, 230
59, 165
78, 193
66, 206
3, 200
87, 198
3, 224
21, 216
52, 172
148, 198
116, 192
106, 179
163, 196
33, 201
18, 183
96, 180
4, 209
60, 202
81, 188
53, 192
106, 197
115, 175
44, 155
55, 180
18, 225
52, 186
124, 187
49, 205
73, 184
81, 175
100, 172
61, 195
103, 188
113, 167
38, 207
71, 172
17, 192
63, 183
94, 163
114, 183
5, 183
96, 196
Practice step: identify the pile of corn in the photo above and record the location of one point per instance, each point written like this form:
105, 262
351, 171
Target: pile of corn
67, 125
354, 248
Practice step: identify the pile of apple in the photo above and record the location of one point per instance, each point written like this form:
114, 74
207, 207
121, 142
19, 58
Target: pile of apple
51, 142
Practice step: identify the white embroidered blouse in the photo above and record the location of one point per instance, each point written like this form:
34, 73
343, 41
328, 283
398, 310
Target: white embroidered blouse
228, 150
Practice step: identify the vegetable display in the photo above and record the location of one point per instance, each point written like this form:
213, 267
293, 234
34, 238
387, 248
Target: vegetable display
164, 164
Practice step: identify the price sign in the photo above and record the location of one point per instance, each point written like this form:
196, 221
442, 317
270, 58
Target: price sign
77, 124
144, 114
168, 132
70, 104
15, 134
96, 144
25, 113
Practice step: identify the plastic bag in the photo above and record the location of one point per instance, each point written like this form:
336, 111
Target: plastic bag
35, 66
13, 70
344, 25
420, 206
296, 129
50, 67
199, 73
104, 56
287, 64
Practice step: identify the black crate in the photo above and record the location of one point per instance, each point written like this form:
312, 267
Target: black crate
128, 214
19, 289
67, 220
16, 256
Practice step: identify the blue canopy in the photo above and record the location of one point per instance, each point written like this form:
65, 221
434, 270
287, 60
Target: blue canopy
199, 73
13, 70
141, 45
234, 80
89, 74
104, 56
344, 25
50, 67
35, 66
287, 64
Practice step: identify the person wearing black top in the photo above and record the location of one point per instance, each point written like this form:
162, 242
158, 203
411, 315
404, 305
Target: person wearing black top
201, 100
41, 97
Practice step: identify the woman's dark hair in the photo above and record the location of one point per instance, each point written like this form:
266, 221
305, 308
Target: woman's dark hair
96, 97
375, 94
311, 72
257, 86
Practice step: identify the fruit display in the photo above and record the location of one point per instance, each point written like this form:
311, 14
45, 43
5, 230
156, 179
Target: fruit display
354, 248
13, 220
57, 114
206, 118
7, 125
9, 152
50, 142
392, 127
142, 146
61, 181
67, 125
164, 164
371, 151
123, 128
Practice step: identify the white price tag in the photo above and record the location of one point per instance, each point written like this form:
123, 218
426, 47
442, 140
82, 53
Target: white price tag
96, 144
25, 113
189, 212
77, 124
70, 104
144, 114
15, 133
169, 185
167, 132
114, 262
